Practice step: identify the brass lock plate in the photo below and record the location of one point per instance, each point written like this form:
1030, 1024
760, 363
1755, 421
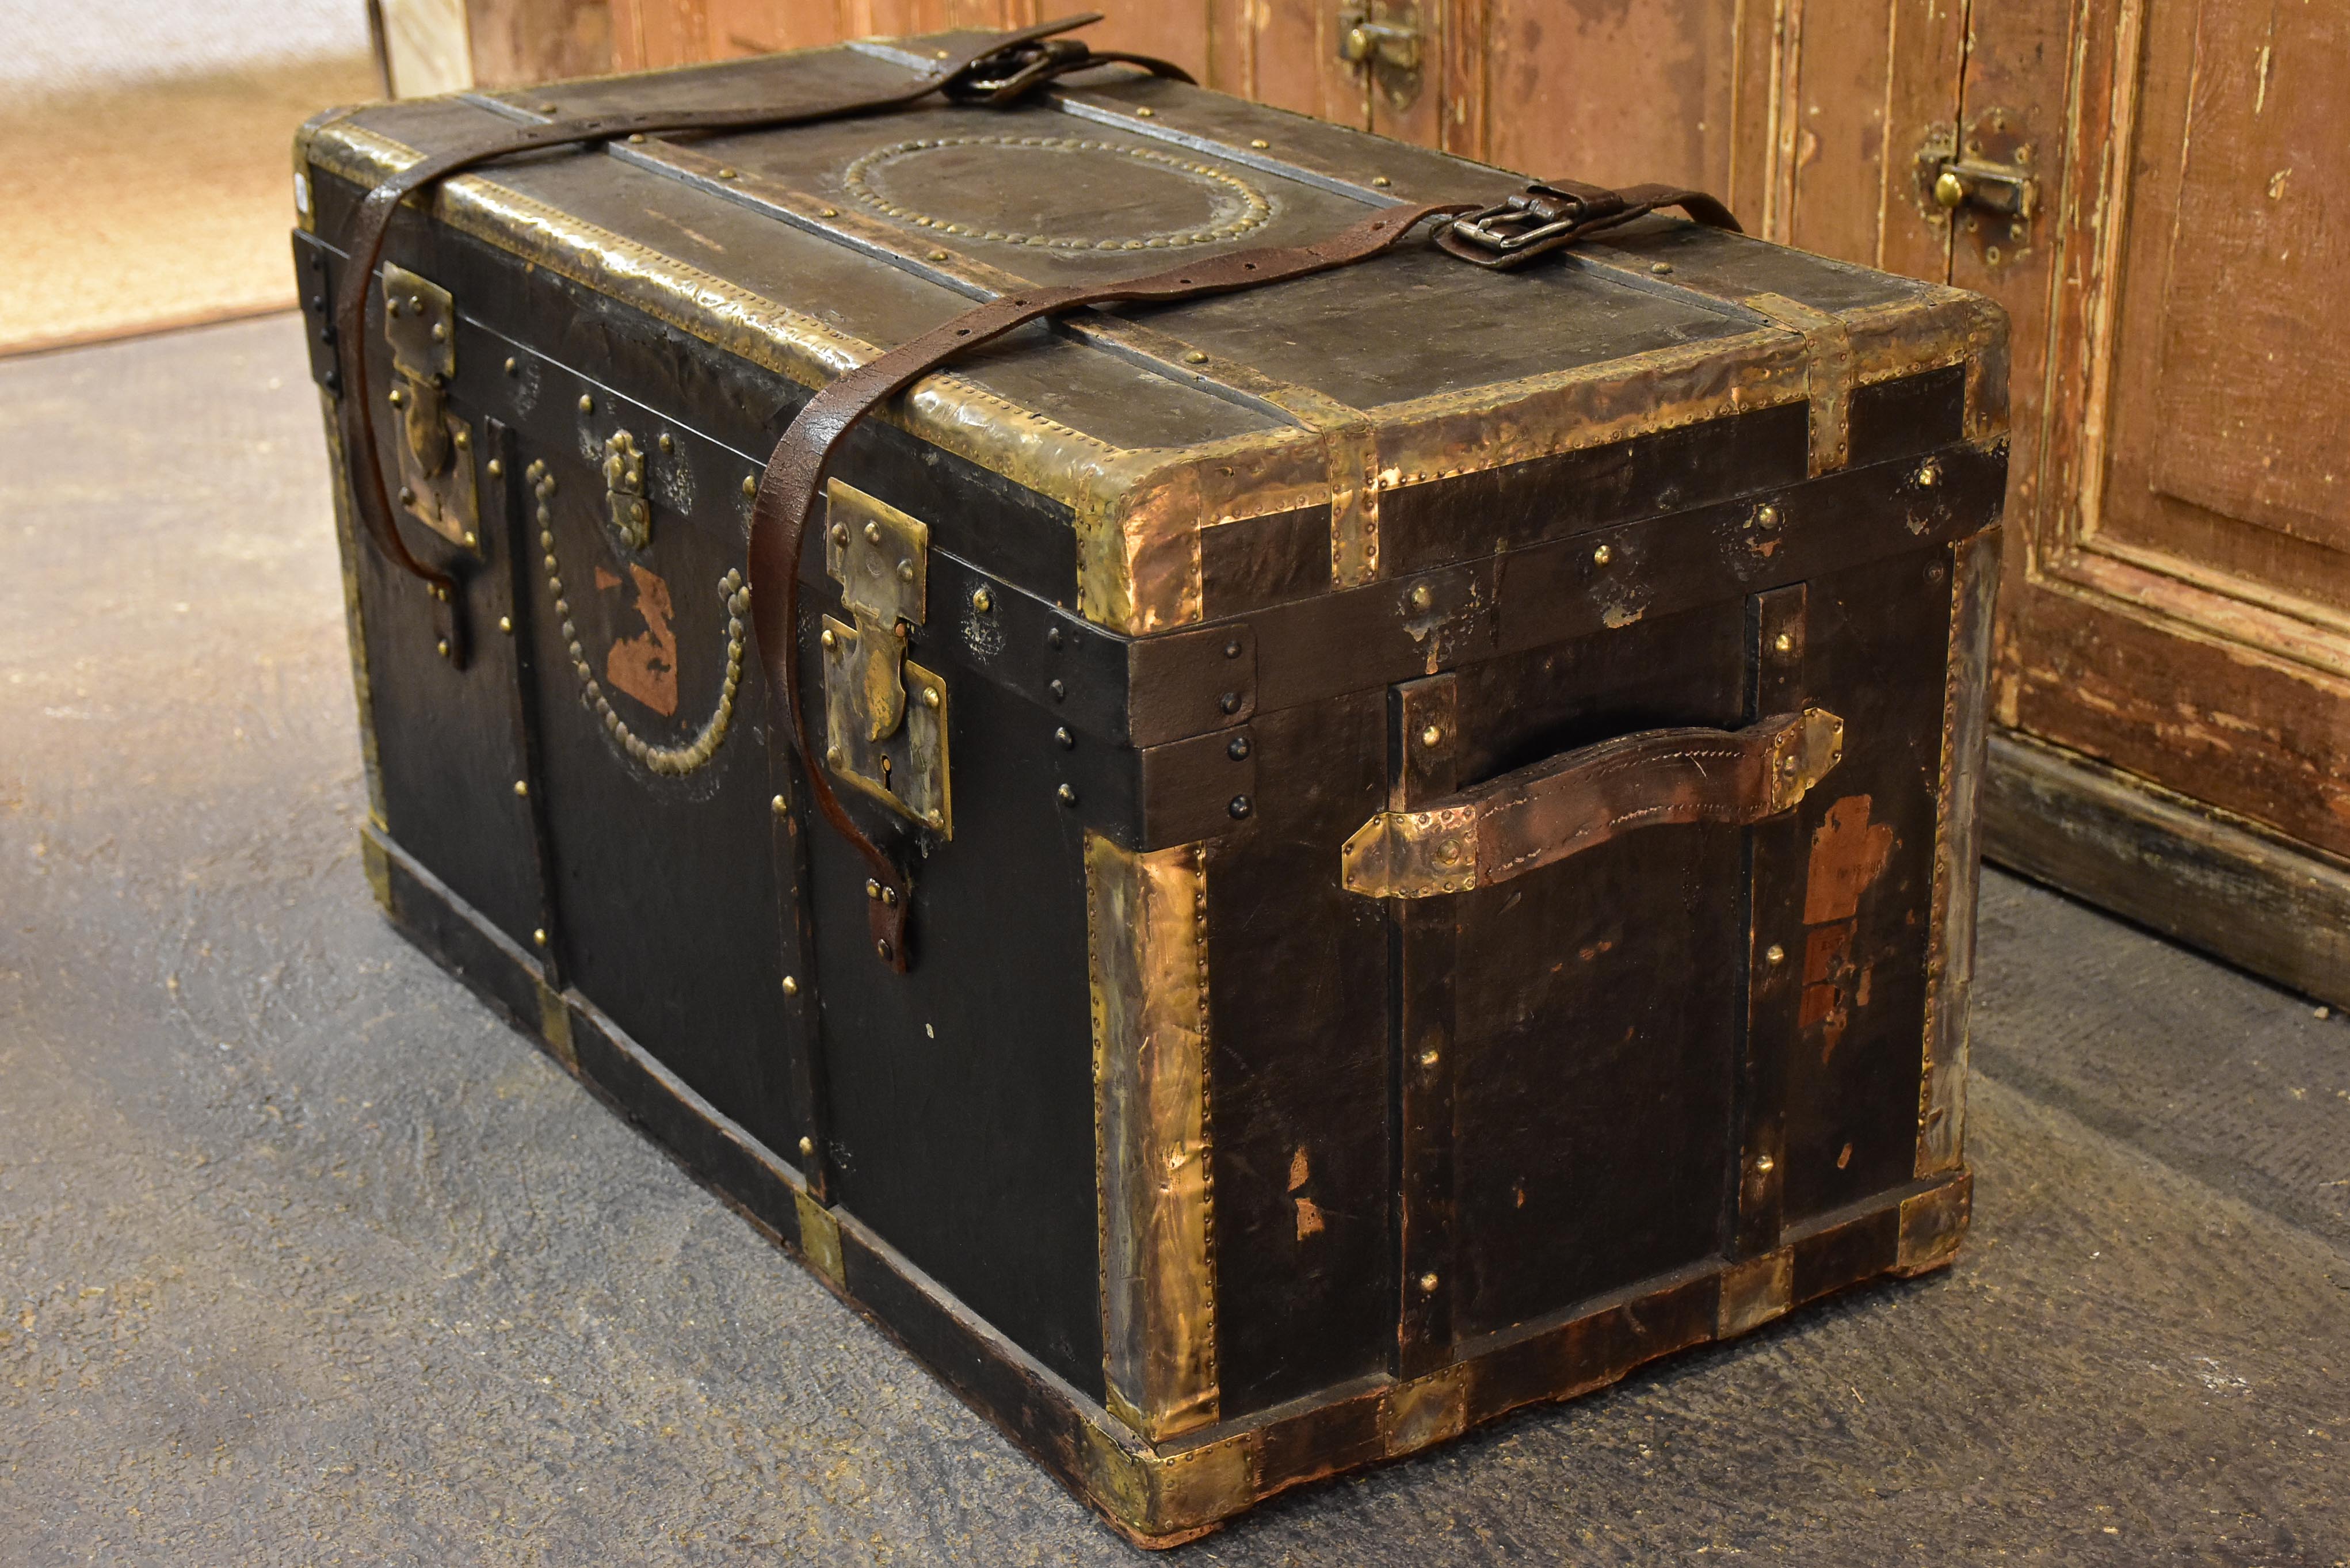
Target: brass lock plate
885, 716
1985, 180
625, 502
905, 769
436, 447
1381, 38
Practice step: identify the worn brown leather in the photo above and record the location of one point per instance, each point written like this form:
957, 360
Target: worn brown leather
1001, 70
1541, 814
794, 474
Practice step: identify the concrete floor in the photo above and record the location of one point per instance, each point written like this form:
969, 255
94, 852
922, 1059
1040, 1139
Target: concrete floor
306, 1259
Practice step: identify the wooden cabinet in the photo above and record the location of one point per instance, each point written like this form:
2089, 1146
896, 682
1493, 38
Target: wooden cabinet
2143, 185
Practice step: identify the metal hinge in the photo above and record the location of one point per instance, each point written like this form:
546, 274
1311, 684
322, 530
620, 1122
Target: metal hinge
436, 448
885, 717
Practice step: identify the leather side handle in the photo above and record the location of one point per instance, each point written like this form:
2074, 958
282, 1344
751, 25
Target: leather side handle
1539, 816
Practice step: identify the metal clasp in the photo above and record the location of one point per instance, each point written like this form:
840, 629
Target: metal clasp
885, 717
1550, 212
1984, 182
1382, 39
624, 490
436, 457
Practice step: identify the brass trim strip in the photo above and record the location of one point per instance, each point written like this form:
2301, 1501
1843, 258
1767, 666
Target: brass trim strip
1958, 845
1146, 919
1827, 375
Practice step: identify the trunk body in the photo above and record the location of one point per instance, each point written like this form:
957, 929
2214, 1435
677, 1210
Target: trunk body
1440, 803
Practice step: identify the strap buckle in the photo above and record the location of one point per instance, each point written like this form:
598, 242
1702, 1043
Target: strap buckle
1538, 218
1008, 72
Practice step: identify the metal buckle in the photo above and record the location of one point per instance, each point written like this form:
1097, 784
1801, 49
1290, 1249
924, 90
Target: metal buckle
1537, 215
1009, 72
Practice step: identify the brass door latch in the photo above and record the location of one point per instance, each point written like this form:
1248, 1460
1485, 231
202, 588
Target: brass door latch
885, 717
1384, 41
436, 456
1985, 180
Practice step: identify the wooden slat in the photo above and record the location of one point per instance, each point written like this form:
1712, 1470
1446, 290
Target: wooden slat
1616, 95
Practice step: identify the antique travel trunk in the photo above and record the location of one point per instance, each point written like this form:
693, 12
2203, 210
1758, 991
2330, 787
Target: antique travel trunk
1436, 803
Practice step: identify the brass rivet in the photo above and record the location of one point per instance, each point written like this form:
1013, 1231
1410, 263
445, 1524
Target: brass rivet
937, 255
547, 108
1784, 643
1661, 268
1774, 954
539, 935
1432, 736
830, 640
726, 173
936, 818
505, 624
522, 787
1766, 515
586, 403
808, 1147
881, 946
872, 888
1381, 180
981, 600
496, 468
636, 138
473, 541
396, 398
1196, 357
1240, 808
1067, 794
929, 697
829, 212
905, 571
1930, 473
443, 647
1602, 555
750, 484
873, 533
1260, 144
511, 367
832, 755
1145, 113
792, 988
407, 496
1427, 1282
439, 332
1427, 1058
1422, 595
1765, 1164
1788, 766
889, 898
667, 443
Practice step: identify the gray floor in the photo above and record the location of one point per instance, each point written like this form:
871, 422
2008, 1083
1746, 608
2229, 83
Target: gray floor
306, 1259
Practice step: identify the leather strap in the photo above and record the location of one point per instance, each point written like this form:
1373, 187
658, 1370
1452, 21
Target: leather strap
1553, 213
795, 475
1000, 71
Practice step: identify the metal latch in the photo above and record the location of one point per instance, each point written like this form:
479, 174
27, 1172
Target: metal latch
1383, 40
885, 717
624, 490
436, 456
1985, 180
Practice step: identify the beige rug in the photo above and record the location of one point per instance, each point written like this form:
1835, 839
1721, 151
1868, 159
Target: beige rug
161, 203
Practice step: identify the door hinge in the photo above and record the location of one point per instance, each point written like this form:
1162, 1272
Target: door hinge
436, 447
885, 717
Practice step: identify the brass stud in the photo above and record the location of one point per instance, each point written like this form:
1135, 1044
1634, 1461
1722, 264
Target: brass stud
667, 443
807, 1148
505, 624
791, 988
1428, 1283
547, 108
496, 468
1260, 144
439, 332
1765, 1164
1432, 736
586, 403
1067, 795
936, 818
1421, 596
1427, 1058
829, 212
726, 174
1381, 180
442, 647
750, 484
472, 540
905, 571
832, 756
1930, 473
512, 368
873, 533
636, 138
1146, 113
1774, 955
828, 639
407, 496
1662, 269
1766, 515
872, 889
779, 805
937, 255
929, 697
1784, 643
396, 398
522, 787
1602, 555
538, 936
1196, 357
981, 600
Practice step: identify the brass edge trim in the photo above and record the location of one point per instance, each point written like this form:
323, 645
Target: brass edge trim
1958, 842
555, 1026
347, 548
819, 1237
1827, 375
1146, 916
1426, 1410
1755, 1292
1933, 1223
